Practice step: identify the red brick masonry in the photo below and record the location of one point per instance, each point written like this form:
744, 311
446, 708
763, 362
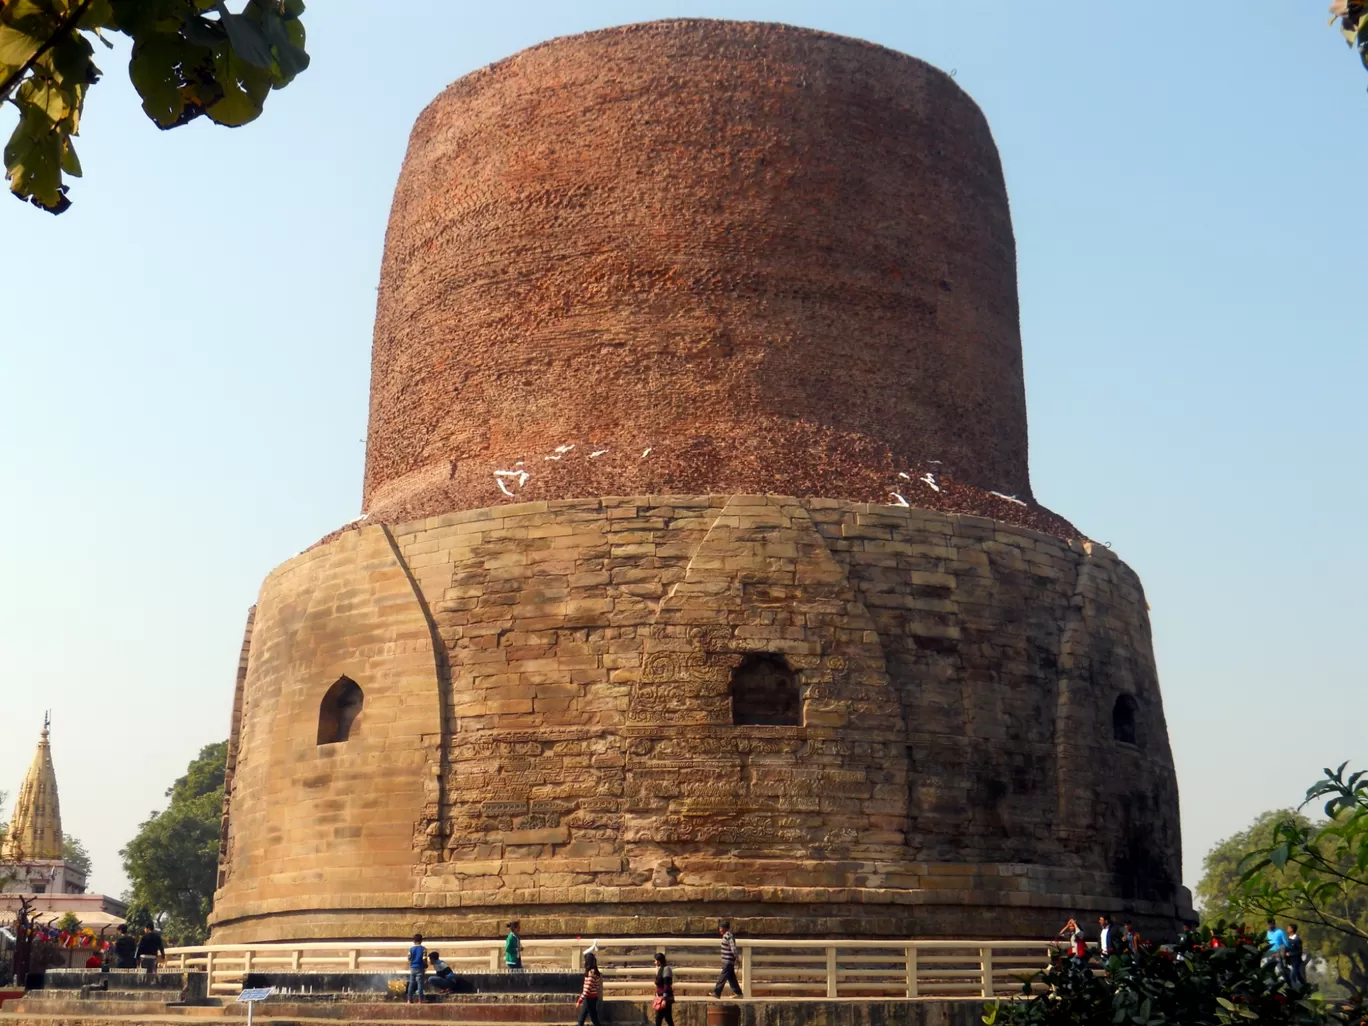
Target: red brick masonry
779, 260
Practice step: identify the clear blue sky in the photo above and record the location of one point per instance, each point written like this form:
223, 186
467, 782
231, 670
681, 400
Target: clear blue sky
184, 358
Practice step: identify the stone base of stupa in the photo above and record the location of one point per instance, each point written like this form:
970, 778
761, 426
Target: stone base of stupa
556, 723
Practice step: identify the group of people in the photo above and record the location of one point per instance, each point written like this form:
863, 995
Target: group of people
129, 952
591, 993
1111, 939
1285, 948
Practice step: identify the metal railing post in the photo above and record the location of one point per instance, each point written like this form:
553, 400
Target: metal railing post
209, 972
746, 963
911, 971
296, 959
246, 963
831, 973
353, 957
986, 968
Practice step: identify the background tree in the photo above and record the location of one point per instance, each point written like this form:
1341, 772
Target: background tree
1353, 20
172, 863
1218, 891
9, 872
189, 58
74, 853
1317, 875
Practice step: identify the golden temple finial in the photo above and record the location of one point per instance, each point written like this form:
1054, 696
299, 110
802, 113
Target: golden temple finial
35, 831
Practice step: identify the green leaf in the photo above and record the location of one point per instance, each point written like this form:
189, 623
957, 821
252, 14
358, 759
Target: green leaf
139, 18
16, 47
45, 95
203, 32
1226, 1003
174, 77
33, 161
153, 71
248, 41
30, 16
287, 43
71, 164
244, 91
100, 14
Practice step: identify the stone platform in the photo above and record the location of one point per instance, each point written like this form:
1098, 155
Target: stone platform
926, 1012
550, 728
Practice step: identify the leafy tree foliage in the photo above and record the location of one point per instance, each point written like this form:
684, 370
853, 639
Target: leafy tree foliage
1352, 16
1317, 874
173, 861
189, 58
1190, 984
74, 853
1217, 893
8, 872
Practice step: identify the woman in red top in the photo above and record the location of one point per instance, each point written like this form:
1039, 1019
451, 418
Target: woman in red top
592, 993
1071, 932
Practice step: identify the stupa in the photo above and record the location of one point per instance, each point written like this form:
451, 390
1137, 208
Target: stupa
699, 572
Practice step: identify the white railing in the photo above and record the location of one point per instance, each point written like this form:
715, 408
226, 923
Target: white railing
801, 970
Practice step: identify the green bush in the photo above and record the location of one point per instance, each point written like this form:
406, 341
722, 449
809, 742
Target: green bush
1191, 983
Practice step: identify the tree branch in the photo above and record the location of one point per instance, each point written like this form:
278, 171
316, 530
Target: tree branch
67, 24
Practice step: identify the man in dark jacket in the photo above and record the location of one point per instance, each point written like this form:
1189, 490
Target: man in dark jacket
1296, 957
151, 950
1110, 940
125, 950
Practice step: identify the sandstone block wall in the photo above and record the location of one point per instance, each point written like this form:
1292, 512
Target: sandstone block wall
726, 256
547, 728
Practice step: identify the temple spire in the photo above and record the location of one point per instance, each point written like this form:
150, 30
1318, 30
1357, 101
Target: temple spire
35, 831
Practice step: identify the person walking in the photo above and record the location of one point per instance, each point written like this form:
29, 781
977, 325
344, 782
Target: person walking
1296, 957
125, 949
1277, 946
513, 948
664, 999
151, 950
729, 957
592, 992
1109, 940
417, 958
1132, 937
1073, 938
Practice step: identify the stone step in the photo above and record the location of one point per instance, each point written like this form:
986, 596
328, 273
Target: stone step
476, 1013
85, 1019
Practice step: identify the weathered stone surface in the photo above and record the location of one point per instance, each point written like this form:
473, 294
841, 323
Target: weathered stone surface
566, 753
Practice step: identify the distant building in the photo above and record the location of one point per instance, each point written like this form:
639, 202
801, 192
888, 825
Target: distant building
31, 859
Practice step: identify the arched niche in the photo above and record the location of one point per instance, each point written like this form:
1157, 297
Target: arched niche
338, 711
764, 691
1125, 720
